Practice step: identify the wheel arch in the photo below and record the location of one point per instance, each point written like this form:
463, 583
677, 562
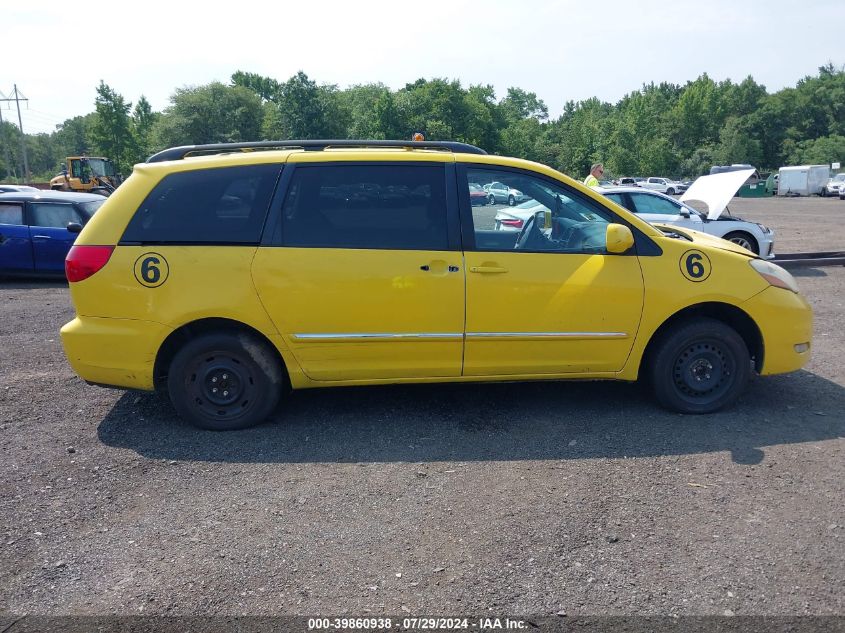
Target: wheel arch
181, 335
730, 315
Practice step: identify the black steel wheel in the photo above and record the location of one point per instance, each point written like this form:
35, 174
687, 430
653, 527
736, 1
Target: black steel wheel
224, 382
699, 366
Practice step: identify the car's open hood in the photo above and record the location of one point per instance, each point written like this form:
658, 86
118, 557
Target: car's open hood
717, 190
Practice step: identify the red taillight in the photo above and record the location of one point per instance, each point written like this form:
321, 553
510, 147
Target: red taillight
517, 224
83, 261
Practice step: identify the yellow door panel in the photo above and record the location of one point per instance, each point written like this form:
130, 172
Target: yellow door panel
550, 313
350, 314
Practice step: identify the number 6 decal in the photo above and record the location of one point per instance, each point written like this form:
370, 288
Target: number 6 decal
695, 266
151, 270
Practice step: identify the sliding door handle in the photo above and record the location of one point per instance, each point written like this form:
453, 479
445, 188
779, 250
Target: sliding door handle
487, 269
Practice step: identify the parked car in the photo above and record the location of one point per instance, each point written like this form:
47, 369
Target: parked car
663, 185
501, 193
14, 188
659, 208
514, 218
38, 229
224, 311
477, 195
630, 181
835, 184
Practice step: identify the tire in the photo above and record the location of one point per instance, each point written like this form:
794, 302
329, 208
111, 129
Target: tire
224, 381
745, 240
699, 366
491, 199
670, 192
511, 201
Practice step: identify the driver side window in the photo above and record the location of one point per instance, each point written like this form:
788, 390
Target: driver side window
515, 211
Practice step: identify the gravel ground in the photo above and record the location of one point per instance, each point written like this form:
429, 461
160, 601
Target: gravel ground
506, 499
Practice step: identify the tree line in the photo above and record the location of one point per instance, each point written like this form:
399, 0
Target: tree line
662, 129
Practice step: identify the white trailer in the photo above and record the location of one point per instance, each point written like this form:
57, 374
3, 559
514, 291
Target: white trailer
803, 180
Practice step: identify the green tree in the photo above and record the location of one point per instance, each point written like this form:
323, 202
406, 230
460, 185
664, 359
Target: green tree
820, 151
265, 87
304, 110
519, 104
213, 113
110, 130
737, 145
143, 120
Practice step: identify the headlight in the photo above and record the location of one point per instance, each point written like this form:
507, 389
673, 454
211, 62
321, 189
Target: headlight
775, 275
764, 228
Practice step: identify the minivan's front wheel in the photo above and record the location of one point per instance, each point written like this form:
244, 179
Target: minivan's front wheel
699, 366
224, 382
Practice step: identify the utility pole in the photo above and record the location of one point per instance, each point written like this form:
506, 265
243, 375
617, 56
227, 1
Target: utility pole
18, 98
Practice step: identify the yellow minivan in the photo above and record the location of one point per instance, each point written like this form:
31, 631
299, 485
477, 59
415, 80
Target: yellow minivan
226, 274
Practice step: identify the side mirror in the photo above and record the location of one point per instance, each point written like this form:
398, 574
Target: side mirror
74, 227
619, 238
685, 214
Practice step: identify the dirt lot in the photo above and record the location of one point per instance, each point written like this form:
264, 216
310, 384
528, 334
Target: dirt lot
499, 499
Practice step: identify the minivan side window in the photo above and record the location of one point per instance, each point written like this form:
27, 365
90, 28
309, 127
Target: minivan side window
518, 222
207, 206
372, 206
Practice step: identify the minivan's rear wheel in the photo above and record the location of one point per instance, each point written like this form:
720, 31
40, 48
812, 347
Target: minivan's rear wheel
745, 240
224, 381
699, 366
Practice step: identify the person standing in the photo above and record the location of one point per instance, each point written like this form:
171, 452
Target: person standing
596, 172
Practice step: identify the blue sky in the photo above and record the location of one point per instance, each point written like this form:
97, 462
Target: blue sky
561, 50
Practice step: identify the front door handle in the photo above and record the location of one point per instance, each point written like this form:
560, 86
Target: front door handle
487, 269
41, 237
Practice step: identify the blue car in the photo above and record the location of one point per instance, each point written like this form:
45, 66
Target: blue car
38, 228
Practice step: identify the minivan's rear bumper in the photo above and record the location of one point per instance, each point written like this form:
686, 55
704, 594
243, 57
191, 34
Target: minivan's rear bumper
785, 320
114, 352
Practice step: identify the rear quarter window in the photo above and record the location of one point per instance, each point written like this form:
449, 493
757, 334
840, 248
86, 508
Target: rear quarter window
209, 206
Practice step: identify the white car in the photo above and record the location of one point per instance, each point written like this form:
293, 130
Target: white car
835, 184
514, 218
663, 185
715, 192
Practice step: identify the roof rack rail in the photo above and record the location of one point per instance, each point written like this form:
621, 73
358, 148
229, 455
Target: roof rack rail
178, 153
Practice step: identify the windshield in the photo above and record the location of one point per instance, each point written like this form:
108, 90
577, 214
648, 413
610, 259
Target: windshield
101, 167
838, 177
88, 208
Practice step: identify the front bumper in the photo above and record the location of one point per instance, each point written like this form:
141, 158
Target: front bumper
114, 352
785, 320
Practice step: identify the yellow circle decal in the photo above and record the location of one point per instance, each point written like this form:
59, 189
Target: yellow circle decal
695, 265
151, 270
